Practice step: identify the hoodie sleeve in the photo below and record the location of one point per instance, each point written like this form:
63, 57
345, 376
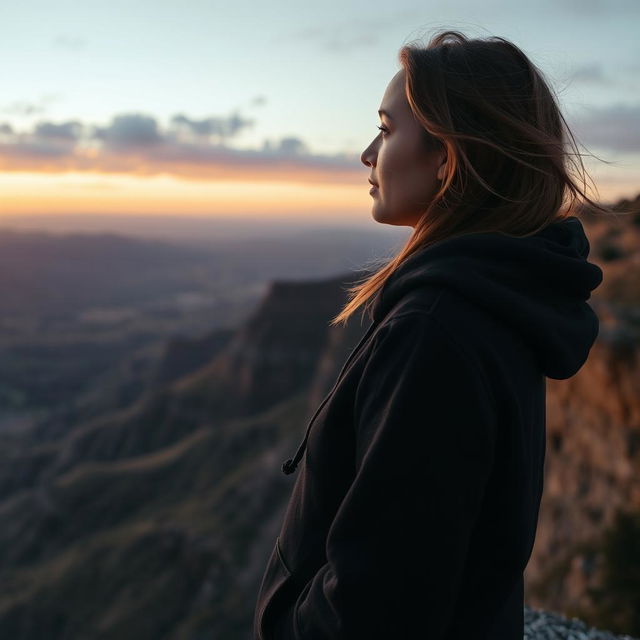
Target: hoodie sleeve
396, 550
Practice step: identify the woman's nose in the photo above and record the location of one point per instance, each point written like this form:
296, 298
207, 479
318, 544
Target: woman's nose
368, 156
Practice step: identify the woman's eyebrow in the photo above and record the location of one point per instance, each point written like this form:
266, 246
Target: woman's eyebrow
386, 113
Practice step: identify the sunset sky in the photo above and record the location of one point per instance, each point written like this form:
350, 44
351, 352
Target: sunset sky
263, 108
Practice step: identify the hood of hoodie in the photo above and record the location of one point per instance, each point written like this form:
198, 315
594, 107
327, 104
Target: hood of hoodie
539, 285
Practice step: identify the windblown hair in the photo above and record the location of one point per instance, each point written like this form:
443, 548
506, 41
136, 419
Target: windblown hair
512, 161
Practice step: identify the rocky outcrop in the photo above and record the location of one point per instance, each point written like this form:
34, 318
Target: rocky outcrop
274, 355
592, 467
183, 355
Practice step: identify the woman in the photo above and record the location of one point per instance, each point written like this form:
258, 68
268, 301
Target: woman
414, 511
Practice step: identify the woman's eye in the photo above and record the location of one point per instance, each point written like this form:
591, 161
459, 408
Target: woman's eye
384, 130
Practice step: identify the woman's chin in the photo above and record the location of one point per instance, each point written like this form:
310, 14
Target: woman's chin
379, 215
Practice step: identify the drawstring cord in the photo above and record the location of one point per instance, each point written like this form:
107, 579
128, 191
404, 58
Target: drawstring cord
290, 465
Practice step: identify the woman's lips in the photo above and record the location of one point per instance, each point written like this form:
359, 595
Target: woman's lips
373, 189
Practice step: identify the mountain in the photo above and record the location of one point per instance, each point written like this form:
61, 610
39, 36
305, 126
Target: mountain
152, 515
153, 507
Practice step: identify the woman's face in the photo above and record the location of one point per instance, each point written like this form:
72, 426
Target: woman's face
406, 174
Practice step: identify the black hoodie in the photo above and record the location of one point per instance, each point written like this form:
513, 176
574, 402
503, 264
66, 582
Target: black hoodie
415, 508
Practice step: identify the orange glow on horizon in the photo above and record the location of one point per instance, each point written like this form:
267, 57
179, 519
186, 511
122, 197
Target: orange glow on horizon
84, 192
121, 194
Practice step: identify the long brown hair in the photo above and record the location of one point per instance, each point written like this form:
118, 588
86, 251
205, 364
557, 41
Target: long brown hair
512, 161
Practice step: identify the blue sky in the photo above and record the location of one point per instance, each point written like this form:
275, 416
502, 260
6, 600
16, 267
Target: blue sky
300, 78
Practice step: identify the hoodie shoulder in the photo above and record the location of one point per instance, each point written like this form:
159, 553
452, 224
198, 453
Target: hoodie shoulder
444, 303
467, 324
426, 318
422, 299
487, 341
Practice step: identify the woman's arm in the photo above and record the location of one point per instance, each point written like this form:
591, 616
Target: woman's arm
396, 550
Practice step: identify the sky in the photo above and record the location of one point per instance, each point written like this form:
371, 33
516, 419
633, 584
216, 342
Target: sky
263, 108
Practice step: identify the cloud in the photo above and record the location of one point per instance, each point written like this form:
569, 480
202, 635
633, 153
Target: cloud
590, 74
368, 31
72, 43
130, 130
23, 109
192, 148
614, 127
287, 146
19, 108
70, 130
222, 128
259, 100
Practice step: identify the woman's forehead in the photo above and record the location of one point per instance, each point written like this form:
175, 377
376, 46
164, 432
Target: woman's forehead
394, 100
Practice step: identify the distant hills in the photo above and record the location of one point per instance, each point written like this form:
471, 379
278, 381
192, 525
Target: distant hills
149, 513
